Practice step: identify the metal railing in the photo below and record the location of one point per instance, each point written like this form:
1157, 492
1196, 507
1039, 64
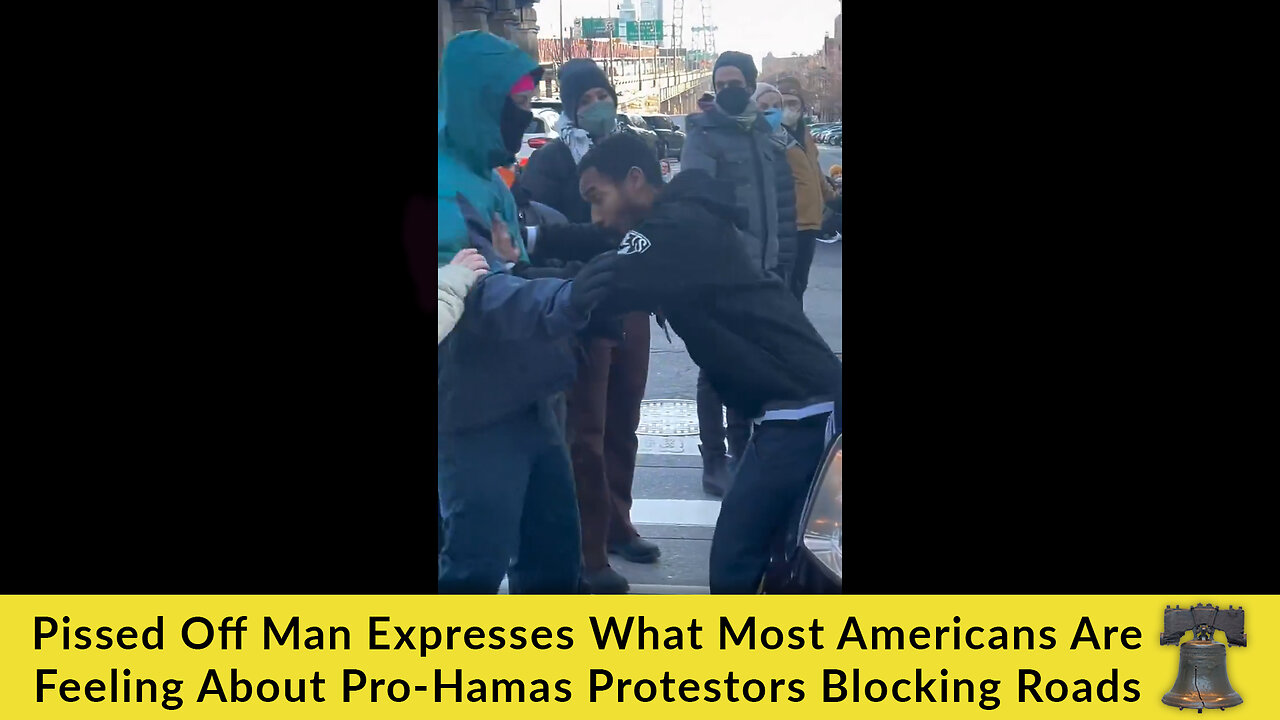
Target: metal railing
658, 85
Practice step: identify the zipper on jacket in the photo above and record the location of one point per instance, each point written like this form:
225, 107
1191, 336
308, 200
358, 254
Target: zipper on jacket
764, 211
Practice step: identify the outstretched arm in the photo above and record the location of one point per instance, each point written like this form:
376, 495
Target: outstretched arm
512, 308
575, 241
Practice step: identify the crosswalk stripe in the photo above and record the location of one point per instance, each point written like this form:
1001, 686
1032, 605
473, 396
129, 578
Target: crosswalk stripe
695, 513
642, 589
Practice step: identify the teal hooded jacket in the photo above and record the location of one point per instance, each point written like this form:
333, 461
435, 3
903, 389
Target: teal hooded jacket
475, 79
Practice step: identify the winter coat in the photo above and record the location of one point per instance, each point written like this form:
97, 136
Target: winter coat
744, 328
476, 76
551, 178
511, 348
812, 189
757, 169
787, 198
453, 282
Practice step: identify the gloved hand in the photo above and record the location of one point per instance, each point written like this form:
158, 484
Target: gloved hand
593, 283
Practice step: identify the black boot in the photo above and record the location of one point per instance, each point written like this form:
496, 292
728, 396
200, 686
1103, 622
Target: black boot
715, 472
637, 550
605, 581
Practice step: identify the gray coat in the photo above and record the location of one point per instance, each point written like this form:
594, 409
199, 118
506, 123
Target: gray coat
761, 176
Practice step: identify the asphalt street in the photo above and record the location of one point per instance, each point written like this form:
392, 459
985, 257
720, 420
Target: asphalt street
669, 506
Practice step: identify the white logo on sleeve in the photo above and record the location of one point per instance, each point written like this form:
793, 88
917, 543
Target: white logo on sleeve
633, 242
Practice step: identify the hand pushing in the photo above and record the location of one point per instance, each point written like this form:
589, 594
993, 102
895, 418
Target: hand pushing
593, 282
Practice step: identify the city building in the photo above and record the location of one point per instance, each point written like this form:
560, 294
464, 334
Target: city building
627, 13
650, 10
821, 73
515, 20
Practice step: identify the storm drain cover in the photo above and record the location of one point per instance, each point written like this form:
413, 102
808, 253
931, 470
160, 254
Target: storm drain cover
668, 417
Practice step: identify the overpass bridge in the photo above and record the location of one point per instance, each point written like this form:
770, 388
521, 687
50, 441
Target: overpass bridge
659, 90
647, 79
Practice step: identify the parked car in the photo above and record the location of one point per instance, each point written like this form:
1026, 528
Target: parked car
633, 122
541, 130
666, 128
547, 103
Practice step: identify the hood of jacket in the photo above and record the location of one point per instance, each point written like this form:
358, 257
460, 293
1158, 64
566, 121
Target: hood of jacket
476, 76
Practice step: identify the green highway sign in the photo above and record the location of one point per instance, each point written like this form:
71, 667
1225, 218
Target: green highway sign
600, 28
644, 31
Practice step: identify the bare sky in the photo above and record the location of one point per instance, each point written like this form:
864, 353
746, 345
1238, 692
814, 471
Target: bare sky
751, 26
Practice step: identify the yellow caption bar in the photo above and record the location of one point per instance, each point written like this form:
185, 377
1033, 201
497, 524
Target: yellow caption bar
665, 656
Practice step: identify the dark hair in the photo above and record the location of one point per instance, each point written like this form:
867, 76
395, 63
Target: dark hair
614, 156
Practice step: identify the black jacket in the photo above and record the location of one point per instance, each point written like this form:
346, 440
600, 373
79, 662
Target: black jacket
742, 327
787, 214
551, 178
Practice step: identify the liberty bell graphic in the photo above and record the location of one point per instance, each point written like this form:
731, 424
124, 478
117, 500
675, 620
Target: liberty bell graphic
1202, 663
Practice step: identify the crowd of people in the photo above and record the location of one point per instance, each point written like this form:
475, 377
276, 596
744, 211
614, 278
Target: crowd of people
545, 287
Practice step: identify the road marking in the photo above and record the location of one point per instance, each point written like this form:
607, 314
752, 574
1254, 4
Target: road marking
697, 513
642, 589
667, 445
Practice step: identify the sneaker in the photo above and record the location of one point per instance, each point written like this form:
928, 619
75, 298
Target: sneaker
637, 550
605, 581
829, 239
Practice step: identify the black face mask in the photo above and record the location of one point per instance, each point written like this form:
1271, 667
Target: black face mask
513, 123
733, 100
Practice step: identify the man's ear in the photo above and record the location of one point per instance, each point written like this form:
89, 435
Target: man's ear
635, 178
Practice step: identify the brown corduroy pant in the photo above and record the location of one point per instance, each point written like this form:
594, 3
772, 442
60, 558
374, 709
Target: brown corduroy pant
603, 413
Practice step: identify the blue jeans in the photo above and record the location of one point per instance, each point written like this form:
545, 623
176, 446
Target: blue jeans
774, 476
506, 491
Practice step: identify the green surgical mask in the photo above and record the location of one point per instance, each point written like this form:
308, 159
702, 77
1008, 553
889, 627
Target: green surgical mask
599, 118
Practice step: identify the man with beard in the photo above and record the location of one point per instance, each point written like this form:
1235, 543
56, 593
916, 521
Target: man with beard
746, 331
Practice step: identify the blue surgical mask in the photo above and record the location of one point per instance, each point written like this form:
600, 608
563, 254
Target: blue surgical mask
599, 118
774, 117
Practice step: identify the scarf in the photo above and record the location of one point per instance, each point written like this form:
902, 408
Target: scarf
747, 118
783, 137
577, 139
